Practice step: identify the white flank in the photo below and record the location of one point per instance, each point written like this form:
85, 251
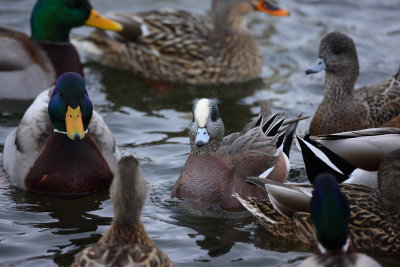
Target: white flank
359, 176
267, 172
287, 161
201, 112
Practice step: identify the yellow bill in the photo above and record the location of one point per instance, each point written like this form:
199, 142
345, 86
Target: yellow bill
98, 21
74, 124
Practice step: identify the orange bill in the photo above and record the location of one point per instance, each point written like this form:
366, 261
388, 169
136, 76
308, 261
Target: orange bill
271, 9
98, 21
74, 124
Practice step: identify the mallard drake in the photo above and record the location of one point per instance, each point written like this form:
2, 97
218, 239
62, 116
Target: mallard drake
126, 243
353, 157
330, 215
29, 64
182, 47
374, 225
343, 108
65, 146
217, 165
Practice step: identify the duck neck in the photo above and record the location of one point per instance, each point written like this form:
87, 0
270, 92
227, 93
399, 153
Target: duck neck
120, 233
339, 86
230, 30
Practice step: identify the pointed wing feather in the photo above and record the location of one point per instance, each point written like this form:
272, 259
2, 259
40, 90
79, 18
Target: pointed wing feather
383, 101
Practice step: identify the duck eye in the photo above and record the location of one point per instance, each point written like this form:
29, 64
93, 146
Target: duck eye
74, 4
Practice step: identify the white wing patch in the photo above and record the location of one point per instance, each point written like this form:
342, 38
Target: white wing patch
201, 112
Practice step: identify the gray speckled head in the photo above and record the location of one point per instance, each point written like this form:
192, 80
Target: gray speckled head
206, 130
339, 54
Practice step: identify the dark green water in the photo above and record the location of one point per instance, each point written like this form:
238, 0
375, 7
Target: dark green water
149, 121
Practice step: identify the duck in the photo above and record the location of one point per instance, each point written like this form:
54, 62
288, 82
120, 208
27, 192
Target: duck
353, 157
181, 47
343, 108
29, 64
66, 147
217, 166
330, 216
374, 224
126, 242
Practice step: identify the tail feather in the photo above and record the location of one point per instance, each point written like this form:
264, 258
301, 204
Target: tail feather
318, 159
289, 133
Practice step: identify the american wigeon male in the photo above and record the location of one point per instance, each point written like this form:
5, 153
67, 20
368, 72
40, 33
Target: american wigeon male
343, 108
218, 165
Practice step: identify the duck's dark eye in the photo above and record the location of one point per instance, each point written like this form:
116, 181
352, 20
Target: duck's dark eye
74, 4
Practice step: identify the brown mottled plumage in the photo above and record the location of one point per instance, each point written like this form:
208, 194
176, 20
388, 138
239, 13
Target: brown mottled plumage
182, 47
216, 168
126, 243
343, 108
374, 213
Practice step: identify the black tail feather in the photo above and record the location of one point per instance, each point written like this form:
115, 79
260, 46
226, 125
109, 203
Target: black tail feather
315, 165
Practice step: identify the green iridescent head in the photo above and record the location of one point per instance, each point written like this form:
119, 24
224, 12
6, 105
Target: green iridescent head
330, 212
52, 20
70, 108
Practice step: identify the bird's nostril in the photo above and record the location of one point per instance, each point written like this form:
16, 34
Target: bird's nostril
76, 137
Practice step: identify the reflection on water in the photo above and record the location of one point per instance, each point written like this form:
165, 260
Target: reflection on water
149, 120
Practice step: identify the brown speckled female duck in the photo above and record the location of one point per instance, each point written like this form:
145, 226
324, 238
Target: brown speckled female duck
126, 243
374, 225
343, 108
217, 165
30, 64
182, 47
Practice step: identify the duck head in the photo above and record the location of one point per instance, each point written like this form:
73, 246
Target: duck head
128, 191
231, 13
337, 55
70, 108
246, 6
206, 130
52, 20
330, 214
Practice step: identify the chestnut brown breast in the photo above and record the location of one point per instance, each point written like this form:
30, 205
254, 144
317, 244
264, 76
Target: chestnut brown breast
69, 167
210, 181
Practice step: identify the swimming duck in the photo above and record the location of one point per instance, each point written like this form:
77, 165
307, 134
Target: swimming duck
182, 47
353, 157
29, 64
374, 225
126, 243
330, 215
217, 165
343, 108
65, 146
